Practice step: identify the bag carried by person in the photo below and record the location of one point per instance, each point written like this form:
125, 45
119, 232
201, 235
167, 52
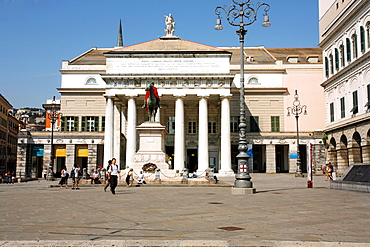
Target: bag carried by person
72, 173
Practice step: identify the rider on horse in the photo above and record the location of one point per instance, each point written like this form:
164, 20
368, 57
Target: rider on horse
147, 94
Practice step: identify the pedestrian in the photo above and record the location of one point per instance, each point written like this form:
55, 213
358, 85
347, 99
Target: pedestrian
75, 176
107, 177
329, 171
13, 177
141, 178
130, 177
113, 175
64, 177
45, 173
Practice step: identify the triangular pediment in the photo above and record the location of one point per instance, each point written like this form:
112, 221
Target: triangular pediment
168, 45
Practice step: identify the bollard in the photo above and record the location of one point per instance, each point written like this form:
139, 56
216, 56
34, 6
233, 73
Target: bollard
103, 174
185, 175
157, 175
84, 173
210, 174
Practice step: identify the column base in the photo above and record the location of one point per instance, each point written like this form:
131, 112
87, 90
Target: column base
243, 191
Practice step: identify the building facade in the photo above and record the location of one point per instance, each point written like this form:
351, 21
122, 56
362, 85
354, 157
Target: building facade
9, 127
102, 95
345, 40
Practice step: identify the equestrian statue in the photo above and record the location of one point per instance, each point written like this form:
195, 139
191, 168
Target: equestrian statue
151, 101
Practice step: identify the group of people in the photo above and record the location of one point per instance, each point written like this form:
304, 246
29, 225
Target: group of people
112, 175
9, 177
74, 174
329, 171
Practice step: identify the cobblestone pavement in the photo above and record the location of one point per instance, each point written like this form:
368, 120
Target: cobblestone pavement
283, 212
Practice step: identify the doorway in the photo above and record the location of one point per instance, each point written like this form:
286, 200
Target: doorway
192, 159
281, 156
259, 158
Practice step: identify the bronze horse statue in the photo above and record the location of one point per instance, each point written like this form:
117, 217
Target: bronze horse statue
151, 101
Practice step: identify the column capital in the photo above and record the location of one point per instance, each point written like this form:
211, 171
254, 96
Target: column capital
203, 96
109, 96
131, 96
179, 96
226, 96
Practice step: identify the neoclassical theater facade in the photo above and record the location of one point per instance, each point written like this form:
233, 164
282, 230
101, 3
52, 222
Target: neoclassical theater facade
102, 95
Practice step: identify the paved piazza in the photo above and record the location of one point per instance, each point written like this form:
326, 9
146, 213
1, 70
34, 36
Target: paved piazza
283, 212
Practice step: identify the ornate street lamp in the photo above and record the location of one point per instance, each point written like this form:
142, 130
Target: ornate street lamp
242, 14
53, 114
296, 110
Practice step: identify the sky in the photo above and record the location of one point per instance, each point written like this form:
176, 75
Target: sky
36, 35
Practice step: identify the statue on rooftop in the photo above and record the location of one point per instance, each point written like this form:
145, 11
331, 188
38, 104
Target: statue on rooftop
170, 24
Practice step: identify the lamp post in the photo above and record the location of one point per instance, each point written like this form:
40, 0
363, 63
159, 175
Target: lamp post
242, 14
53, 115
296, 110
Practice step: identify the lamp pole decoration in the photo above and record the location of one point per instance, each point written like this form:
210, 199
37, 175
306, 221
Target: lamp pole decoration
53, 115
296, 110
242, 14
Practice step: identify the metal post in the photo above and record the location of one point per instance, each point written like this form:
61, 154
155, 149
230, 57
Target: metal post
296, 110
242, 14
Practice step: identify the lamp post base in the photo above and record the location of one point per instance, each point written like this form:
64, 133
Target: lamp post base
301, 175
243, 191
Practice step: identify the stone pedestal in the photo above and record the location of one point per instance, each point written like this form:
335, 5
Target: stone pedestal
151, 147
242, 191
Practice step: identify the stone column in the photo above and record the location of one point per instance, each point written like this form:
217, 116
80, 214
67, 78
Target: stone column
70, 156
179, 162
342, 158
108, 133
131, 130
270, 159
203, 159
293, 162
365, 152
116, 133
225, 136
93, 157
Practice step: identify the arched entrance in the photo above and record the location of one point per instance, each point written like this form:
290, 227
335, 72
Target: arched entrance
332, 153
356, 150
342, 154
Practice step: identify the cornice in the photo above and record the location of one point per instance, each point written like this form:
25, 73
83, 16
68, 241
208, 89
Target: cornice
79, 90
345, 123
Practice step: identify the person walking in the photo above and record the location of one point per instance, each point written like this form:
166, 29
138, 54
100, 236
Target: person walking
113, 175
130, 177
107, 175
45, 173
74, 175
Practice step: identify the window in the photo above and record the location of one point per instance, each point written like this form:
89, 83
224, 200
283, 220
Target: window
89, 124
91, 81
342, 108
354, 45
103, 123
368, 34
342, 57
367, 105
336, 54
234, 124
331, 64
355, 103
171, 125
192, 125
69, 124
326, 67
212, 125
362, 38
253, 80
254, 124
332, 112
275, 124
348, 44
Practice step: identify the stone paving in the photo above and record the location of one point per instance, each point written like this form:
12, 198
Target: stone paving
283, 212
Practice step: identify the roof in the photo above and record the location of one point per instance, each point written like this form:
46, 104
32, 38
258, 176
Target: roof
168, 45
253, 55
262, 55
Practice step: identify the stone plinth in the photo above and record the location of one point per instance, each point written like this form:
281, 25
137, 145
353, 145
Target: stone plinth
242, 191
151, 147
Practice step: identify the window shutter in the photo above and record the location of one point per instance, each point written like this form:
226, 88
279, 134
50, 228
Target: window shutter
103, 123
83, 123
63, 123
96, 123
76, 124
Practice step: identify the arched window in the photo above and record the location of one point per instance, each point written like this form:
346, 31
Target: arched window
326, 67
362, 38
253, 80
348, 44
336, 54
331, 64
342, 56
354, 45
368, 33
